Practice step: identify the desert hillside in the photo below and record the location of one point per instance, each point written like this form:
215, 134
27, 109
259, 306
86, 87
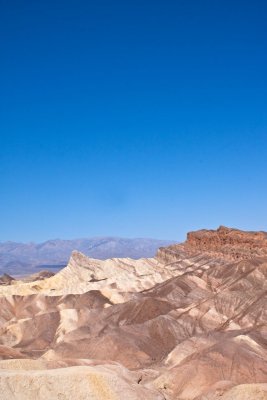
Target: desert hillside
189, 323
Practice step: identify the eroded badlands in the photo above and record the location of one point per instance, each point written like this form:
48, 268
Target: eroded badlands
190, 323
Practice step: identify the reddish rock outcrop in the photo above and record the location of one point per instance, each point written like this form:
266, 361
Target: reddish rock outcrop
223, 243
226, 242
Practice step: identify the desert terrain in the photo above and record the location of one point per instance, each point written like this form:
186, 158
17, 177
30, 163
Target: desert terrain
189, 323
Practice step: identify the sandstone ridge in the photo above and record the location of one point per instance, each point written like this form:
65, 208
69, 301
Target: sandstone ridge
224, 243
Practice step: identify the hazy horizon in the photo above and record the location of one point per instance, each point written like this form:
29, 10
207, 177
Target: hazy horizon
86, 238
174, 240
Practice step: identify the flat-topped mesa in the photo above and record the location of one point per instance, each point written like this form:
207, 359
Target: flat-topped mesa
230, 243
224, 243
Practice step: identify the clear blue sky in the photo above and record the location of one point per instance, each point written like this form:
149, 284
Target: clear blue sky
137, 119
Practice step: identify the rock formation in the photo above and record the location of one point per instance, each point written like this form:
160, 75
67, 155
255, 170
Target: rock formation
190, 323
6, 279
27, 258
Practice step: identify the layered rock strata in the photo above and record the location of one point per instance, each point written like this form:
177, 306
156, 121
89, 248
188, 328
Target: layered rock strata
190, 323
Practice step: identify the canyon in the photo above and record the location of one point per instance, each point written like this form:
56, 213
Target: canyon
189, 323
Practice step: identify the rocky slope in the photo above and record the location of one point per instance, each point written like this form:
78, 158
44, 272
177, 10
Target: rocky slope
190, 323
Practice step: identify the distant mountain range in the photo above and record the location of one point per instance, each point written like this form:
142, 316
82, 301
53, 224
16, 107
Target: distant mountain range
24, 258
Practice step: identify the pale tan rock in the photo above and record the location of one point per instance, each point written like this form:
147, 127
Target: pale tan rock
247, 392
92, 383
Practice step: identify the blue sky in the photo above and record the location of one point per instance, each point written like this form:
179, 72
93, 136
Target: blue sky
136, 119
